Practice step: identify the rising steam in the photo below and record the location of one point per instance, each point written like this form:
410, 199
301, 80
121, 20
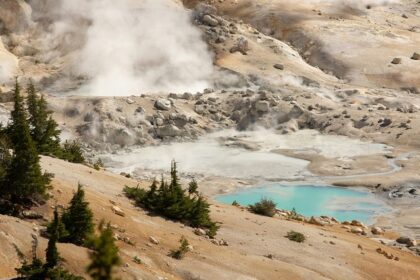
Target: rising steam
128, 47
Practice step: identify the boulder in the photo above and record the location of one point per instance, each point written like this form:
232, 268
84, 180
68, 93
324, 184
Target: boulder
200, 232
357, 230
377, 230
262, 106
163, 104
415, 56
316, 221
210, 20
118, 211
279, 66
169, 130
153, 240
407, 241
30, 214
396, 60
241, 46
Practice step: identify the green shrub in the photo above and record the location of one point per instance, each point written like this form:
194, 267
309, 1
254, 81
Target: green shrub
265, 207
72, 152
235, 203
182, 250
295, 236
173, 202
98, 164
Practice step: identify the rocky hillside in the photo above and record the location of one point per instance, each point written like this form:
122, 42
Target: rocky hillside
248, 246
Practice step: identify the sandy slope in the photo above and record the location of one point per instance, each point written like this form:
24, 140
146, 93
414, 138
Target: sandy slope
329, 253
341, 37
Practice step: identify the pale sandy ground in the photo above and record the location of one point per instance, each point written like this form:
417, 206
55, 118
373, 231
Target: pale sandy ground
329, 253
342, 37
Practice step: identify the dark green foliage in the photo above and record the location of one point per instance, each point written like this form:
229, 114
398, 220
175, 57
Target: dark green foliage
5, 158
104, 255
32, 271
192, 187
295, 236
72, 152
77, 219
56, 226
235, 203
265, 207
182, 250
51, 254
37, 270
24, 182
172, 201
44, 129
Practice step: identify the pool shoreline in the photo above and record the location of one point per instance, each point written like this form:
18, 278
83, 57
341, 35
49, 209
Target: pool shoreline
384, 209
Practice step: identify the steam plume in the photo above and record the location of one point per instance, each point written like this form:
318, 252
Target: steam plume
130, 47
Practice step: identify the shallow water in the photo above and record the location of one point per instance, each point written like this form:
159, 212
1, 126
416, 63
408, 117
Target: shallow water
344, 204
211, 156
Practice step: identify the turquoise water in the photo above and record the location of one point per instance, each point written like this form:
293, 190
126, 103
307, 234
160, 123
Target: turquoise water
342, 203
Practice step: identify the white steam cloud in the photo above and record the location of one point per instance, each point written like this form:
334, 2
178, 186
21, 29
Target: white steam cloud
131, 47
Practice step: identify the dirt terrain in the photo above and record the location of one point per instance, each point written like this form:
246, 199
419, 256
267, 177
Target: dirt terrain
329, 253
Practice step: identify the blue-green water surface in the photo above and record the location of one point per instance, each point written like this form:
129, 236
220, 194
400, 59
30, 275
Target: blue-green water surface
344, 204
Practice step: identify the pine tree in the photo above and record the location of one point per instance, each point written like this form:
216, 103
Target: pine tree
192, 187
182, 250
104, 255
77, 219
24, 182
52, 255
56, 226
44, 129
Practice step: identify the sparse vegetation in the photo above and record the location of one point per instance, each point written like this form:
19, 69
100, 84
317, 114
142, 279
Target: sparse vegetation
265, 207
235, 203
98, 164
182, 250
172, 201
52, 270
72, 152
104, 255
295, 236
293, 215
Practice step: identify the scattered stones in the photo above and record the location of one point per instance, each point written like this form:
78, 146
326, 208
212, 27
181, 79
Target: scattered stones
316, 221
163, 104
